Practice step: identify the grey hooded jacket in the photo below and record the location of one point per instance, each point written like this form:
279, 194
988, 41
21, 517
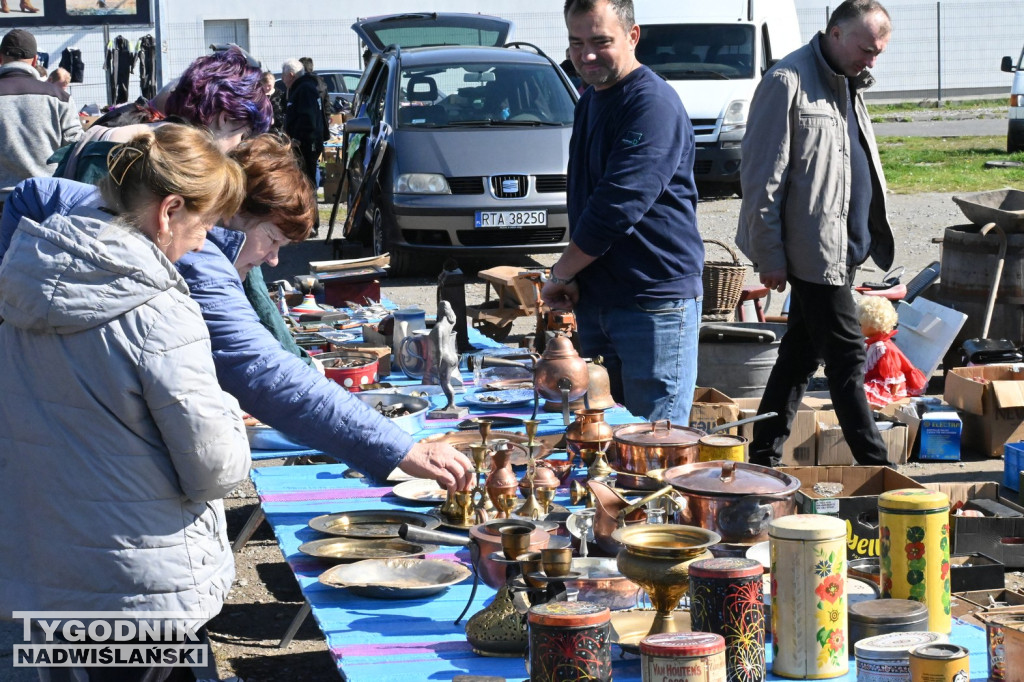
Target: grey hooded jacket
116, 442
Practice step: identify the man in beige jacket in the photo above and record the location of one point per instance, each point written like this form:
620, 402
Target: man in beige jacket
813, 210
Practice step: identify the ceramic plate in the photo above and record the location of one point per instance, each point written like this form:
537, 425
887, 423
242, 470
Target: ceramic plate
396, 578
760, 552
497, 400
420, 491
353, 549
373, 523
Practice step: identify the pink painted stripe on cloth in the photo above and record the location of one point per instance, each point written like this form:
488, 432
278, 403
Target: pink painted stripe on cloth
401, 649
329, 494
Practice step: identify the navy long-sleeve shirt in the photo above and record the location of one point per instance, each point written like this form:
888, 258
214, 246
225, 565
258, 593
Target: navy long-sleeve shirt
632, 199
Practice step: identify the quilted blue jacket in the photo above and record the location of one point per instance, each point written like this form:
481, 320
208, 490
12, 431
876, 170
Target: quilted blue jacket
270, 383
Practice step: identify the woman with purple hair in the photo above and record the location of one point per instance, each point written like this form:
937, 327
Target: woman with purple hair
221, 92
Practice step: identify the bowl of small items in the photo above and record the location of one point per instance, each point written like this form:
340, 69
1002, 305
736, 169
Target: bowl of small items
407, 412
350, 368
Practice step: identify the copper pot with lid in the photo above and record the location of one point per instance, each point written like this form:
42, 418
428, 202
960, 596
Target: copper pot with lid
736, 500
655, 445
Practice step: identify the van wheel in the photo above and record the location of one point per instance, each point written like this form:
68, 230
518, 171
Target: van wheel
401, 263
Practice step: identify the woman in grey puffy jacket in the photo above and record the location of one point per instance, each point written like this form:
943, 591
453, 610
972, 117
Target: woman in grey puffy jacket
116, 441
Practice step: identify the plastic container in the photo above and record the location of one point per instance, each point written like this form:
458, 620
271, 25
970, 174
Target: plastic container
1013, 464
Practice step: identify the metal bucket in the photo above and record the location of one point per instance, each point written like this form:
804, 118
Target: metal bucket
739, 368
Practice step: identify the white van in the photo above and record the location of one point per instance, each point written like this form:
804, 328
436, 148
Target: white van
714, 53
1015, 131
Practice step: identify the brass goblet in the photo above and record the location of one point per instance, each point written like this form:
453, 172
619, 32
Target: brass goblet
505, 502
464, 500
531, 431
544, 496
485, 430
479, 454
515, 540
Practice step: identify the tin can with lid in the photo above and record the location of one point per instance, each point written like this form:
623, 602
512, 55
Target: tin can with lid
682, 657
809, 599
880, 616
719, 446
940, 662
886, 658
727, 598
913, 533
570, 641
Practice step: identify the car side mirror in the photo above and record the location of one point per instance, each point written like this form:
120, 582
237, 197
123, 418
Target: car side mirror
1006, 65
360, 124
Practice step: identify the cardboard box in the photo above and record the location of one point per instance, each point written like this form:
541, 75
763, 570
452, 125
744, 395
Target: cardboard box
857, 503
833, 449
711, 408
800, 448
940, 436
992, 396
1001, 538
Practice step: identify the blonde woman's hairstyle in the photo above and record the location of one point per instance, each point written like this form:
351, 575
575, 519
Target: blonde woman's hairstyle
876, 314
172, 159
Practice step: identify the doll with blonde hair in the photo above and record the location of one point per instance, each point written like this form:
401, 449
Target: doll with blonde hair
888, 374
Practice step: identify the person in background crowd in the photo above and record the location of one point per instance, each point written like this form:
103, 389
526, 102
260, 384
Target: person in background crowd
62, 78
276, 96
114, 431
632, 270
36, 118
303, 116
325, 97
271, 383
813, 210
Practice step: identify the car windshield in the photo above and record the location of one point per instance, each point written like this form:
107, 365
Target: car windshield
463, 95
697, 51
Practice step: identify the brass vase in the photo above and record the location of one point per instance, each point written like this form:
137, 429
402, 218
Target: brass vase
657, 558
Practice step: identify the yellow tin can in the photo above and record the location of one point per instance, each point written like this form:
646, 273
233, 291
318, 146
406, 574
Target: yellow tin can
809, 600
913, 529
940, 662
722, 446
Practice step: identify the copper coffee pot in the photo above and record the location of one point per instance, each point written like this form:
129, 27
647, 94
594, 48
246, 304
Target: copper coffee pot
561, 374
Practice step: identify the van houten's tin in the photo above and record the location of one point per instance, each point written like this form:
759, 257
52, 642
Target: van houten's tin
940, 662
886, 658
809, 599
722, 446
570, 641
682, 657
727, 598
913, 529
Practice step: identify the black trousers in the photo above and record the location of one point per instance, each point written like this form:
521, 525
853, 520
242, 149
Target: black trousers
822, 327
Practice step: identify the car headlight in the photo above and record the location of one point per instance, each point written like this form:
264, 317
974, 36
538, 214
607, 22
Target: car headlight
421, 183
735, 114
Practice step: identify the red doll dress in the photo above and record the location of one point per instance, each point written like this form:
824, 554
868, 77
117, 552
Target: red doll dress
888, 374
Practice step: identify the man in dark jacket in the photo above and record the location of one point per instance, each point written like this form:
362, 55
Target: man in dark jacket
632, 270
303, 116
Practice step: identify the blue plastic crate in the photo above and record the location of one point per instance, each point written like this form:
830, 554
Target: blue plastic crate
1013, 462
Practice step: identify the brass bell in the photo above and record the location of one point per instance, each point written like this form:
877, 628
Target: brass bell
599, 391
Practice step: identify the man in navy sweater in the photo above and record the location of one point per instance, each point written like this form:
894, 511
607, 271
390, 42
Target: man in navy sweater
632, 270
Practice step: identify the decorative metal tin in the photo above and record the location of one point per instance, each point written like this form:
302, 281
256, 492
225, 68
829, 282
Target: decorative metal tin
913, 529
886, 658
683, 657
880, 616
570, 641
809, 600
940, 662
727, 598
722, 446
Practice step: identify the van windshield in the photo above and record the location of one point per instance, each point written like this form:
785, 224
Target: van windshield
697, 51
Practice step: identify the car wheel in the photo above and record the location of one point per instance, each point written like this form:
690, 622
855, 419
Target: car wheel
401, 263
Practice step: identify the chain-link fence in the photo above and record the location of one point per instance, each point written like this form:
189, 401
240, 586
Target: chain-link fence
937, 50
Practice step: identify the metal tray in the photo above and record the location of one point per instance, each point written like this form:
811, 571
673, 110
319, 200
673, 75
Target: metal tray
1004, 207
372, 523
354, 549
396, 578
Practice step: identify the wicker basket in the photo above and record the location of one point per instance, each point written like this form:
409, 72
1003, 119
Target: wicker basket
723, 285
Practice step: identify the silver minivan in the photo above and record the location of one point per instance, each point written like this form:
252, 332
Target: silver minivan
1015, 131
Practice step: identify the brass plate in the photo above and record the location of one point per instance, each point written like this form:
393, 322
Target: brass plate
629, 627
396, 578
353, 549
372, 523
462, 440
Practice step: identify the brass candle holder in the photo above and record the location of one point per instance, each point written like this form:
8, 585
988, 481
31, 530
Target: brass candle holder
531, 509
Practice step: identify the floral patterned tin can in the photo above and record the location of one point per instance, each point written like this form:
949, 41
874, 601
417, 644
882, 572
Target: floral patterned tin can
727, 598
809, 600
913, 533
886, 658
569, 642
940, 662
682, 657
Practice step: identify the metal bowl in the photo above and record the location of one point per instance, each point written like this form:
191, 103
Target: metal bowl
262, 437
396, 578
410, 423
602, 583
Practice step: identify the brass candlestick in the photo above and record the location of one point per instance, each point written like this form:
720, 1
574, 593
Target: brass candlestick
531, 509
581, 493
480, 498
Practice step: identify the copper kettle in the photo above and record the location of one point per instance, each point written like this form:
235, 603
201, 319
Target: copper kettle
560, 373
599, 391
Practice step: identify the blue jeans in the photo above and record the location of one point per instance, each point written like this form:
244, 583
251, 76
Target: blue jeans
650, 352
